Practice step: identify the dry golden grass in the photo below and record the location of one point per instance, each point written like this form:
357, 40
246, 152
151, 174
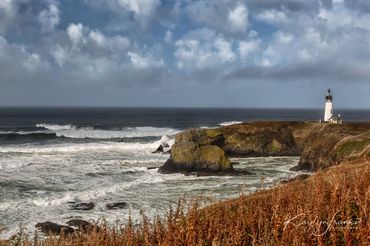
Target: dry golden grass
331, 207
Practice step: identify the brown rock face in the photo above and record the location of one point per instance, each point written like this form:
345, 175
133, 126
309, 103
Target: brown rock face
327, 145
254, 140
191, 157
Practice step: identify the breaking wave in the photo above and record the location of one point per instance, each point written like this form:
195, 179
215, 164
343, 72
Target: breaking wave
228, 123
51, 131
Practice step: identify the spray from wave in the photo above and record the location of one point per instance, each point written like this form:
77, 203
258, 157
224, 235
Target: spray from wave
71, 131
228, 123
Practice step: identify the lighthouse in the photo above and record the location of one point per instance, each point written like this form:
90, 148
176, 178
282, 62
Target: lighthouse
328, 106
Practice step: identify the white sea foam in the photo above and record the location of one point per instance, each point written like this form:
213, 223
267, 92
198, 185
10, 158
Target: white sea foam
81, 147
71, 131
54, 127
6, 205
21, 132
228, 123
151, 177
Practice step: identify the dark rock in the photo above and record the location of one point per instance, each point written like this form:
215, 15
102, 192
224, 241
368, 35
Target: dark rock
54, 228
150, 168
230, 172
116, 205
80, 224
83, 206
160, 149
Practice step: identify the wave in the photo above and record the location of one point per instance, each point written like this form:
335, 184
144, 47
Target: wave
228, 123
55, 127
150, 177
81, 147
36, 135
71, 131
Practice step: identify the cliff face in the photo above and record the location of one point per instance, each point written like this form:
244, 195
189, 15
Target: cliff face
319, 145
326, 145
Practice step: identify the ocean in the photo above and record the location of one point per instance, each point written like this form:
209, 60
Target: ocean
52, 158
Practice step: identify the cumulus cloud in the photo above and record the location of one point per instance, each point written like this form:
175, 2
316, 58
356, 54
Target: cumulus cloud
142, 10
238, 18
7, 13
49, 18
75, 33
249, 47
144, 62
113, 43
168, 36
203, 48
273, 16
226, 16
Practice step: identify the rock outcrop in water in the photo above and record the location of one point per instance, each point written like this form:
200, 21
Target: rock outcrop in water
53, 228
319, 145
198, 151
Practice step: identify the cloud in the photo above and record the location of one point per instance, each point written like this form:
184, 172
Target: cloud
249, 47
238, 18
143, 10
273, 16
49, 18
112, 43
202, 48
144, 62
230, 17
7, 13
161, 45
75, 33
168, 36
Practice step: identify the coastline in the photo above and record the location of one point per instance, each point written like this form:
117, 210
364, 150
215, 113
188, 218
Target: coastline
346, 166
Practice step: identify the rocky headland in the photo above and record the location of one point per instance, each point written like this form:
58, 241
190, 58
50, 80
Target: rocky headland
319, 145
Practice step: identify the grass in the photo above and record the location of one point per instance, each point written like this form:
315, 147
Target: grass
346, 149
331, 207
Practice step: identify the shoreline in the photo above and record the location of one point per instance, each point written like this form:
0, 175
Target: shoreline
353, 159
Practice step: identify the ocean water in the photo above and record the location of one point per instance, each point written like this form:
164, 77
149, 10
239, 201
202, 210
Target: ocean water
50, 158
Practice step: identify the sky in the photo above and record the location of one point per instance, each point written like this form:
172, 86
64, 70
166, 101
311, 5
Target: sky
184, 53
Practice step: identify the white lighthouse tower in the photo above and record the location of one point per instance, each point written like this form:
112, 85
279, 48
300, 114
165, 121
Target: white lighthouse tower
328, 106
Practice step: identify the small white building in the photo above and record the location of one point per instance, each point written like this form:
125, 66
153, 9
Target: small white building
329, 113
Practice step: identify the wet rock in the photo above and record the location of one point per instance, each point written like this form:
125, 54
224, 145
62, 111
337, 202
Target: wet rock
80, 224
53, 228
83, 206
116, 205
229, 172
160, 149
